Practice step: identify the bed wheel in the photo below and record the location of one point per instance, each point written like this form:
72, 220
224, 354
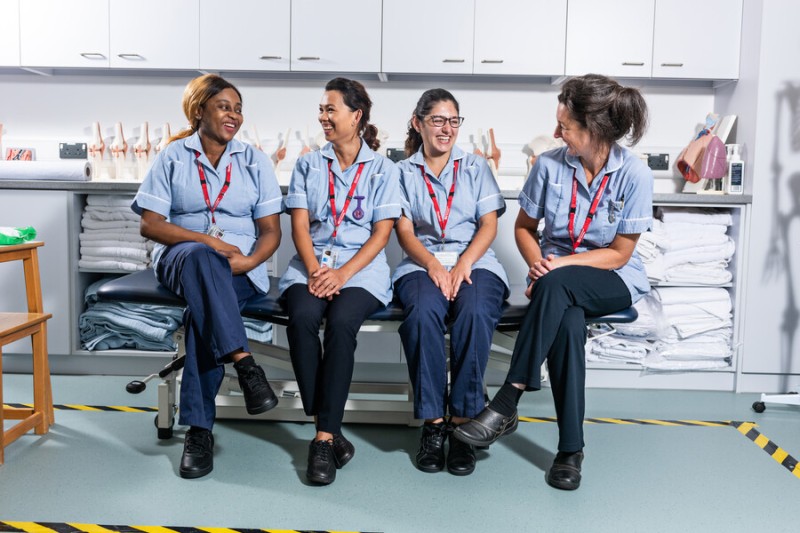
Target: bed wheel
135, 387
759, 407
163, 433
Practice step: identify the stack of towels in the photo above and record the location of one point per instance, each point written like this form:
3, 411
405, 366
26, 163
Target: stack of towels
688, 246
679, 328
110, 238
117, 325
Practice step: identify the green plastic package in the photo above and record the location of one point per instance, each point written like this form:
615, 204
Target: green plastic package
16, 235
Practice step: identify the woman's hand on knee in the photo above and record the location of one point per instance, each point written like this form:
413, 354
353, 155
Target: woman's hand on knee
440, 278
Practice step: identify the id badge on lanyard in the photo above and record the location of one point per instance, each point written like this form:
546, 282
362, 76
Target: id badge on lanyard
213, 230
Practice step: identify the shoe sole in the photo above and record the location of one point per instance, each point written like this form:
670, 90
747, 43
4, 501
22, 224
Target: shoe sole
429, 469
561, 486
341, 461
460, 472
194, 474
263, 408
319, 480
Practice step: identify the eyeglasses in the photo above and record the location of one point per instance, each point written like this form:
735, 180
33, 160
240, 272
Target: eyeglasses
439, 121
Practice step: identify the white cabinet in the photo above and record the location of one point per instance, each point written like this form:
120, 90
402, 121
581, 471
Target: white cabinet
611, 37
336, 36
153, 34
428, 37
260, 39
697, 39
9, 33
64, 33
520, 37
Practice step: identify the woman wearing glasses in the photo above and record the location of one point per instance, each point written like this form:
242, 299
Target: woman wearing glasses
595, 198
451, 203
343, 200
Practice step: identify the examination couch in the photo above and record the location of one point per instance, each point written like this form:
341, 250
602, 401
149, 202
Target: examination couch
371, 402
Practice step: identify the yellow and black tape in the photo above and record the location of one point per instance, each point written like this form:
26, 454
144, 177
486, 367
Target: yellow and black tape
57, 527
776, 452
637, 421
98, 408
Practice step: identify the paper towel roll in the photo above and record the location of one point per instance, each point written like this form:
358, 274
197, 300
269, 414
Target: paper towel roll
68, 170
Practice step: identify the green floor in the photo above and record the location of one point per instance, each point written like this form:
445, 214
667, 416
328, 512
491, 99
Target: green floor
109, 468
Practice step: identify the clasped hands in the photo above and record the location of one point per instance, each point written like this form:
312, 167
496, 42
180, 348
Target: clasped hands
325, 282
539, 269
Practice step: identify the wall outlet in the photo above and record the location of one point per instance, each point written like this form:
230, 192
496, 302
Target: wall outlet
72, 151
658, 161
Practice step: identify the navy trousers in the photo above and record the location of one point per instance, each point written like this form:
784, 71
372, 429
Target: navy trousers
324, 372
472, 318
554, 328
212, 321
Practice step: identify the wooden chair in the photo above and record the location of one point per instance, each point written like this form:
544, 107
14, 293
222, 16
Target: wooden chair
33, 324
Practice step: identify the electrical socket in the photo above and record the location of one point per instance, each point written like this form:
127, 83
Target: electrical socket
72, 150
658, 161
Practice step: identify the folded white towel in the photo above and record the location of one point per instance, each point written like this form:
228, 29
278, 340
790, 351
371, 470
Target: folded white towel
114, 213
688, 295
129, 234
110, 252
110, 200
131, 245
700, 215
111, 265
700, 254
711, 273
88, 223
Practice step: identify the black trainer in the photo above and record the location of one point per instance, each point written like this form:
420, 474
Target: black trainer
460, 457
430, 456
321, 462
258, 395
198, 453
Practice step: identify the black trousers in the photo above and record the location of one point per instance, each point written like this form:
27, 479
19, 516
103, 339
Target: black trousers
554, 328
324, 370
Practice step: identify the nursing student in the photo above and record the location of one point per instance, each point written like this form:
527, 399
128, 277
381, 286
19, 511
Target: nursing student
211, 204
343, 200
450, 278
594, 197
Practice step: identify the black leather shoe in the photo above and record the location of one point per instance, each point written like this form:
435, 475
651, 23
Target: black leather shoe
343, 450
486, 428
460, 458
430, 456
258, 395
321, 462
565, 474
198, 453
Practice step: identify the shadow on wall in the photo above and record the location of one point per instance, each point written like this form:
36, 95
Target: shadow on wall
785, 212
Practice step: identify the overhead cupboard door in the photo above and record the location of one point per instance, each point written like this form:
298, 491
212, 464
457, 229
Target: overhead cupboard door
9, 33
423, 36
695, 39
336, 35
611, 37
520, 37
160, 34
260, 38
64, 33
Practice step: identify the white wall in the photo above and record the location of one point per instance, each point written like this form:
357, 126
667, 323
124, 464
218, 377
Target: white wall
772, 333
40, 111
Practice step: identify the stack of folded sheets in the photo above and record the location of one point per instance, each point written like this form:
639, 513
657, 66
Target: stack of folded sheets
110, 238
688, 246
118, 325
679, 328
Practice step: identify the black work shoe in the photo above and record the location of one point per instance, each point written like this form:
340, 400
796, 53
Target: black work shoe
430, 456
343, 450
321, 462
565, 474
460, 458
258, 395
198, 453
486, 428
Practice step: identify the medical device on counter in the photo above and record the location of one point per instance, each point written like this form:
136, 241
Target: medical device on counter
734, 180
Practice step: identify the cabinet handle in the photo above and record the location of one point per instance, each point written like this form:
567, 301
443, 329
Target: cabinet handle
493, 61
671, 64
452, 60
136, 57
308, 58
93, 55
270, 57
633, 63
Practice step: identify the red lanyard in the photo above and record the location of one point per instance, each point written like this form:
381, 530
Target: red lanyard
442, 219
576, 241
332, 193
205, 186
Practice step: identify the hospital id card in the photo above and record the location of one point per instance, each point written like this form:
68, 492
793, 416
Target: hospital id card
447, 259
328, 258
215, 231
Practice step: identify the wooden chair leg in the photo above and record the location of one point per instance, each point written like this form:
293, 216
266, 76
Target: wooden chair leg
39, 343
2, 413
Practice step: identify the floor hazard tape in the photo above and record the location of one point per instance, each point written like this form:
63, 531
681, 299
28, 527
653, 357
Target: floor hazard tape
55, 527
781, 456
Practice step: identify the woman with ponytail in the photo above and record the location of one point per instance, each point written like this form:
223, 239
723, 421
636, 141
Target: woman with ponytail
595, 199
343, 200
450, 277
212, 205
